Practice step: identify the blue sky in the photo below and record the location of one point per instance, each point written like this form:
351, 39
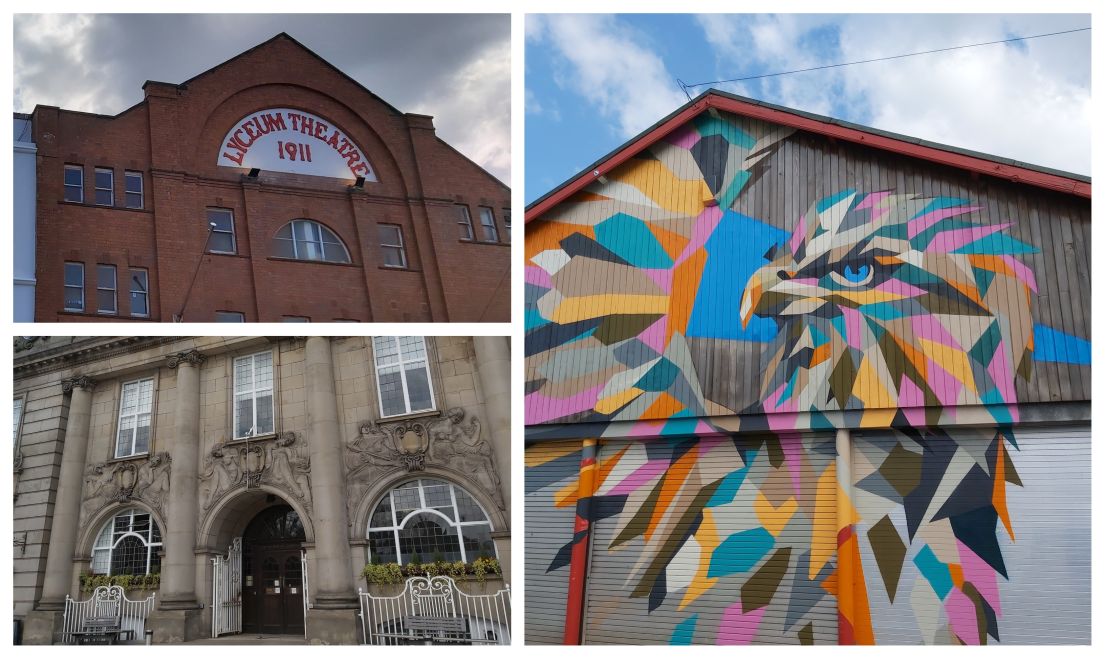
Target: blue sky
594, 81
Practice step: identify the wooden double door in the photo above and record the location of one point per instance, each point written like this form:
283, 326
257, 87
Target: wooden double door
272, 589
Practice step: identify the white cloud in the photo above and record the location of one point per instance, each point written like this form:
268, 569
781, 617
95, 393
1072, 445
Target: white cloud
1030, 102
610, 67
475, 106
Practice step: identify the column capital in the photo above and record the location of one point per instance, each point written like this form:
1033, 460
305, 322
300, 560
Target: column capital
193, 357
80, 382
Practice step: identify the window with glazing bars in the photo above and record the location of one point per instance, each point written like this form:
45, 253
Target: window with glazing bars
135, 417
402, 375
253, 406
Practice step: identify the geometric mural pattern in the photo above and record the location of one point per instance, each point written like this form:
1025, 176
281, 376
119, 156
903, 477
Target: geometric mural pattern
896, 306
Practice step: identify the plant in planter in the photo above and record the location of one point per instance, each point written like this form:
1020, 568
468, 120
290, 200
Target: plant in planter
129, 582
393, 573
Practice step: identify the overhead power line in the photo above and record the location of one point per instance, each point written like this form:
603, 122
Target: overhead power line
686, 86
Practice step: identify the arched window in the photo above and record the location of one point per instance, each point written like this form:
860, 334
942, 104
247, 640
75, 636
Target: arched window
309, 241
428, 520
128, 544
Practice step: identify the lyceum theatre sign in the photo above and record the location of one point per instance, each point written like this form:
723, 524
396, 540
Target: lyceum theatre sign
285, 140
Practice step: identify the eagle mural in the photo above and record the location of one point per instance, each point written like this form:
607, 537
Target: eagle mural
878, 309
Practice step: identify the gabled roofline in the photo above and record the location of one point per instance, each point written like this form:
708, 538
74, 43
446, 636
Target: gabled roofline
285, 35
973, 161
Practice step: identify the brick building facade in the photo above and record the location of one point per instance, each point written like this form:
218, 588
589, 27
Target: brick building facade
132, 208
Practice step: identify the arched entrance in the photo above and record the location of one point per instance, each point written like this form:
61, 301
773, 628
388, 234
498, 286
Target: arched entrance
272, 572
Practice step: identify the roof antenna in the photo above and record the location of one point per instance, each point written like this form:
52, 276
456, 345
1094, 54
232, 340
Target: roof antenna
683, 86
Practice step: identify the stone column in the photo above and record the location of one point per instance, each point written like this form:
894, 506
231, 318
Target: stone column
67, 505
332, 617
178, 617
178, 570
493, 364
46, 618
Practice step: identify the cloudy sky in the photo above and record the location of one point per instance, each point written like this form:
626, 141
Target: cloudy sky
456, 68
593, 81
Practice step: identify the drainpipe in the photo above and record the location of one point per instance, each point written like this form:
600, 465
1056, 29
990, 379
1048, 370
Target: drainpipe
845, 530
581, 543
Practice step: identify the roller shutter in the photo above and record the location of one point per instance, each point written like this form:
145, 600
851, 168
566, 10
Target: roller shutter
939, 562
552, 470
714, 541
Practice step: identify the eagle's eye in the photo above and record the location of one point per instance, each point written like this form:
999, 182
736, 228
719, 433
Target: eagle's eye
853, 273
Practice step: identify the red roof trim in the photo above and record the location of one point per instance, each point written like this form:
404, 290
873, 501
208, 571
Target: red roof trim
961, 161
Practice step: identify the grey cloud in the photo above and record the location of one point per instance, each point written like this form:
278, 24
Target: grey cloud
97, 63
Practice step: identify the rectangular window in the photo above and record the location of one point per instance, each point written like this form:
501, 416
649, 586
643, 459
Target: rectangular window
402, 375
74, 286
253, 412
17, 417
391, 243
296, 319
105, 187
135, 413
105, 289
134, 191
221, 223
139, 292
230, 317
487, 220
465, 222
74, 183
506, 223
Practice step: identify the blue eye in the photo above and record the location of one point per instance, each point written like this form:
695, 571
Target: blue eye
857, 275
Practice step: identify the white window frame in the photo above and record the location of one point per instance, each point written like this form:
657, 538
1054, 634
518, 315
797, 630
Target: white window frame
109, 526
241, 315
137, 413
96, 186
401, 363
465, 221
397, 524
489, 228
74, 168
233, 235
133, 293
18, 405
401, 247
64, 285
114, 289
506, 224
316, 229
128, 175
234, 393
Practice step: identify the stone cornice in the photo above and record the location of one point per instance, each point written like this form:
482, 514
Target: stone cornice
71, 355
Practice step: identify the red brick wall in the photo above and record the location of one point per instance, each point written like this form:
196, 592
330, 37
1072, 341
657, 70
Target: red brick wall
174, 137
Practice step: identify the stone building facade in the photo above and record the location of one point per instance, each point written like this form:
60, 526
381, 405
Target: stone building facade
138, 452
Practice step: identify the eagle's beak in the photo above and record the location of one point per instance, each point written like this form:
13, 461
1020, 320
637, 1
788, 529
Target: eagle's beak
762, 281
751, 298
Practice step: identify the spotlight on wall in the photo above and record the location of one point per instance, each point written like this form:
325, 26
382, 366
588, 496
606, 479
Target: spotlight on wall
254, 173
360, 183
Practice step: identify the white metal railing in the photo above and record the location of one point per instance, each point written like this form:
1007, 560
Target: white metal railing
226, 591
107, 601
409, 617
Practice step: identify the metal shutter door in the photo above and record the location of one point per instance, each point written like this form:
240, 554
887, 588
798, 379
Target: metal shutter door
1046, 597
551, 468
758, 566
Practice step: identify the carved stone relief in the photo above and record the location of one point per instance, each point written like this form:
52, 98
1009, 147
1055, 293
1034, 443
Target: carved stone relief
133, 480
275, 461
413, 444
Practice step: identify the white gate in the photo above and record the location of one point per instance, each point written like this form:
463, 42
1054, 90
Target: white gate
106, 602
432, 610
306, 589
226, 589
